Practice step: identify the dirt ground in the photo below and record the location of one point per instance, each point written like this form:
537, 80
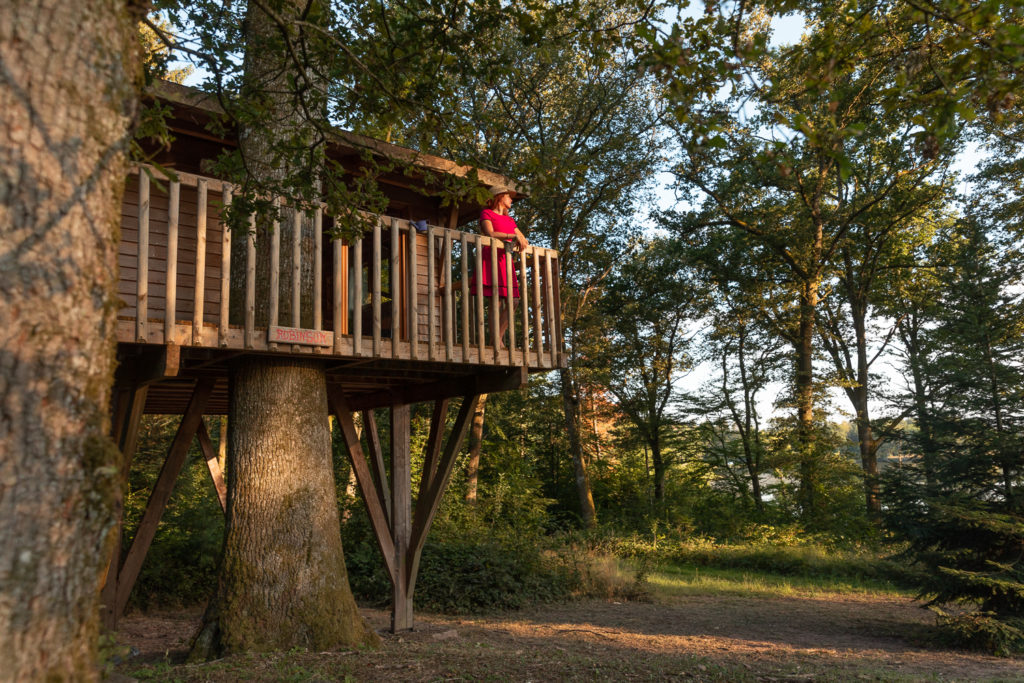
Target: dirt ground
839, 638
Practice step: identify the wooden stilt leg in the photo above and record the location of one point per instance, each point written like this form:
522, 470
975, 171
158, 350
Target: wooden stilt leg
161, 493
401, 523
374, 505
213, 464
433, 443
380, 473
128, 411
430, 499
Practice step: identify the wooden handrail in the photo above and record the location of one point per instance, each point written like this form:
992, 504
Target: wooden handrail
446, 317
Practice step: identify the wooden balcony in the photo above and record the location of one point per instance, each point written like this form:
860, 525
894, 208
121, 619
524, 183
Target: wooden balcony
396, 309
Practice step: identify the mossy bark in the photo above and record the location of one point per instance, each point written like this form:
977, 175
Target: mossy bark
69, 85
283, 582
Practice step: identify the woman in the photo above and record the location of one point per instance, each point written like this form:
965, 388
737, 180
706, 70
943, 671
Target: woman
495, 222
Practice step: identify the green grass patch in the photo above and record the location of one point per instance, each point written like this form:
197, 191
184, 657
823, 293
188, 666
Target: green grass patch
689, 579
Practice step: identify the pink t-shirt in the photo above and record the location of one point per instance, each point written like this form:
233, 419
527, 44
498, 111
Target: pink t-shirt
501, 222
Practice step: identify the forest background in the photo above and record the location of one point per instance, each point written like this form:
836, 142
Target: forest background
819, 234
851, 300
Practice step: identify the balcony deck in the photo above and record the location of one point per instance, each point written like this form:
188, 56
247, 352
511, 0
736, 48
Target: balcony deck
175, 327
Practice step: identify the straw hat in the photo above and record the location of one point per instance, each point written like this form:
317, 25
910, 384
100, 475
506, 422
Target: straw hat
495, 190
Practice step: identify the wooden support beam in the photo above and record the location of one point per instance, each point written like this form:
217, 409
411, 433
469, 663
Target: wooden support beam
131, 402
374, 505
489, 382
401, 520
213, 465
380, 472
430, 458
430, 499
161, 492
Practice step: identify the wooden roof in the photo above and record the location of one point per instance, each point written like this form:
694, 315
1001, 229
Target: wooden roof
193, 109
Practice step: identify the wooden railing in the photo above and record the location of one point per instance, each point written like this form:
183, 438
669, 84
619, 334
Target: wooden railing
394, 293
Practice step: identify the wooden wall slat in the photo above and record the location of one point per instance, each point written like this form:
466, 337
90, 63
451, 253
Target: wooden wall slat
225, 272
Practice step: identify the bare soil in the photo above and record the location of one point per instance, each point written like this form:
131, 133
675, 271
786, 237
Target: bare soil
728, 638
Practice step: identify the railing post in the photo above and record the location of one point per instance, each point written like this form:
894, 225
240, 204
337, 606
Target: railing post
431, 295
142, 265
171, 288
199, 310
449, 325
250, 284
396, 288
225, 270
357, 298
375, 288
274, 313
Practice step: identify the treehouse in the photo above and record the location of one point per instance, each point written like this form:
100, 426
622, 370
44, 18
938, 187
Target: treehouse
397, 317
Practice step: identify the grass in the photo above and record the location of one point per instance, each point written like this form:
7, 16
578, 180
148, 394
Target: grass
673, 580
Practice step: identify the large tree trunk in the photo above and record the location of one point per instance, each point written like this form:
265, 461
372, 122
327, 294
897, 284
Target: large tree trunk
68, 94
571, 406
476, 433
283, 582
808, 495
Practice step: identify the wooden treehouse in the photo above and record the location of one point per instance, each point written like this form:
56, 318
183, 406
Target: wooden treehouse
396, 317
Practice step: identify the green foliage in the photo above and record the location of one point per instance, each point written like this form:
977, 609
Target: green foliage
181, 565
959, 508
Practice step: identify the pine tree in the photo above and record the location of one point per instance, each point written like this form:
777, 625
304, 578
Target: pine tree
966, 529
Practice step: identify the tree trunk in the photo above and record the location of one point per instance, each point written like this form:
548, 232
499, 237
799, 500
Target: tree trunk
68, 94
808, 494
283, 582
570, 405
659, 470
476, 432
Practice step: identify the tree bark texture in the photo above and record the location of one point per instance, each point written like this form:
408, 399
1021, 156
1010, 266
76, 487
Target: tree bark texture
571, 407
476, 438
68, 94
283, 581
